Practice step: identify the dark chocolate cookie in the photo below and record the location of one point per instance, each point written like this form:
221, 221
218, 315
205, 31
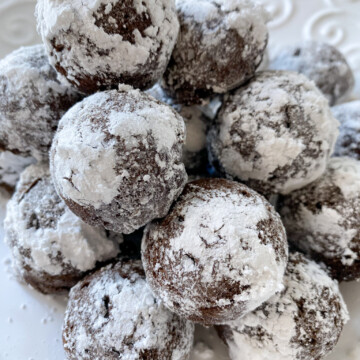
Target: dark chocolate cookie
221, 44
52, 248
32, 102
303, 322
103, 43
113, 315
116, 159
320, 62
323, 219
220, 252
276, 133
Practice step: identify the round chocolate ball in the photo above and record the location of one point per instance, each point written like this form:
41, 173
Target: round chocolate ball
116, 159
32, 101
321, 63
220, 46
303, 322
52, 249
322, 219
276, 133
112, 314
97, 46
219, 253
348, 142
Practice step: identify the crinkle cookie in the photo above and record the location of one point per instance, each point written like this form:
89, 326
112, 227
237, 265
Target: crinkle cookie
32, 102
320, 62
219, 253
276, 133
303, 322
116, 159
323, 219
195, 156
112, 314
221, 44
52, 248
106, 42
348, 142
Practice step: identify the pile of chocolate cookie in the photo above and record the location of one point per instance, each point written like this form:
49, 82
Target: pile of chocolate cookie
150, 120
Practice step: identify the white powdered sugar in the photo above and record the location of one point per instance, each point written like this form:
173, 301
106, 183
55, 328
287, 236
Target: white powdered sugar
338, 239
321, 63
303, 322
55, 241
106, 40
32, 102
219, 233
11, 166
194, 151
84, 170
277, 133
113, 314
238, 15
111, 146
322, 218
221, 43
348, 143
345, 174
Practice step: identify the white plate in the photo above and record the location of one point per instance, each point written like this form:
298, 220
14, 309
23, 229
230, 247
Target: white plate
30, 323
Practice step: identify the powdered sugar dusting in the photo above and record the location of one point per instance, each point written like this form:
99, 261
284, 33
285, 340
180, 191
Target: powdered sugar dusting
321, 63
322, 219
277, 132
218, 240
238, 15
86, 41
346, 176
32, 101
114, 312
194, 151
221, 44
91, 156
283, 328
66, 241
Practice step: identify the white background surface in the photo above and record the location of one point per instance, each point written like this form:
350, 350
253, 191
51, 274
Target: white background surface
30, 323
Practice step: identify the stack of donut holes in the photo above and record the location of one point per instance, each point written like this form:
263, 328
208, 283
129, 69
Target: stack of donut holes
149, 124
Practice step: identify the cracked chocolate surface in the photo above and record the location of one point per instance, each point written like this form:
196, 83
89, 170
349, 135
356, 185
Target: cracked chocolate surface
202, 258
112, 314
303, 322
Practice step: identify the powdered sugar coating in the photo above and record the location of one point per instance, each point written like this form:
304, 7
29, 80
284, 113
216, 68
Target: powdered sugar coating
107, 42
11, 166
322, 219
348, 142
321, 63
221, 44
112, 314
32, 102
194, 151
276, 133
116, 159
220, 252
303, 322
51, 247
